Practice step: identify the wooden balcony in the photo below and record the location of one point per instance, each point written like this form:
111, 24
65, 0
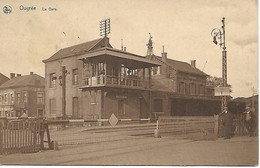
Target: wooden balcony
115, 81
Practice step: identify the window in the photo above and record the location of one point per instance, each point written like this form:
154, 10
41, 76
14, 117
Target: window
12, 98
24, 97
75, 112
201, 90
157, 104
181, 87
121, 107
0, 100
53, 80
5, 98
52, 106
156, 70
18, 98
75, 74
40, 98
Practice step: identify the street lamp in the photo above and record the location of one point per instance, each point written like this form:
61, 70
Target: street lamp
219, 35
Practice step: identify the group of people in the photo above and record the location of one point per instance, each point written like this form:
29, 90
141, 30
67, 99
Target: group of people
250, 121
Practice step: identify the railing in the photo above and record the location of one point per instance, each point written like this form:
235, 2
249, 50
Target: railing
123, 81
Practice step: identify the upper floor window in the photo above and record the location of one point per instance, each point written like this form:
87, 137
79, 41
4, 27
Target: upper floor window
53, 80
181, 87
75, 76
12, 98
24, 97
156, 70
5, 98
201, 90
0, 99
40, 98
18, 98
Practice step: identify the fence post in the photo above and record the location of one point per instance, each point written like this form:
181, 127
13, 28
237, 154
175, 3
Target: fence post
216, 126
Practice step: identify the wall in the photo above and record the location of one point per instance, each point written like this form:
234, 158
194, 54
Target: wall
56, 92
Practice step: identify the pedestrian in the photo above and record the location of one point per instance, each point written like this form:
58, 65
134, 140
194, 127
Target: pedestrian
227, 124
250, 121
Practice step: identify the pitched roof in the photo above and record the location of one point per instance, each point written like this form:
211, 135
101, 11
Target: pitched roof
3, 78
27, 80
182, 66
76, 49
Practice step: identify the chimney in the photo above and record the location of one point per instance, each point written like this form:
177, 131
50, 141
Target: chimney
31, 73
164, 55
193, 63
12, 75
18, 75
124, 48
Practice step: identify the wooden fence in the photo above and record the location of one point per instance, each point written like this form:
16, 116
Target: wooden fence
20, 136
195, 127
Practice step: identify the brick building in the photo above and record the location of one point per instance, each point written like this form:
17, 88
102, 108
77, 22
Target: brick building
101, 81
179, 88
22, 94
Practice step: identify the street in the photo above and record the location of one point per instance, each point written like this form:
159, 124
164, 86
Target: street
146, 150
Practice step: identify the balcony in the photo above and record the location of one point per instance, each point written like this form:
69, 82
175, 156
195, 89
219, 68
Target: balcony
115, 81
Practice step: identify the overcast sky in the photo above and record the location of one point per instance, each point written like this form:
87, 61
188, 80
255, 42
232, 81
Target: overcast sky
182, 26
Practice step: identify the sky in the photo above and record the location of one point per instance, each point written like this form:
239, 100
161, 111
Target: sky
182, 26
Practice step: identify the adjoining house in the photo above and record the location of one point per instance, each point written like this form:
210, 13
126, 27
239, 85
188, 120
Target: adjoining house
3, 78
101, 81
22, 94
180, 88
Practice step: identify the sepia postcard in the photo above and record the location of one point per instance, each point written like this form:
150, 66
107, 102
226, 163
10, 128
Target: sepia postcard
129, 82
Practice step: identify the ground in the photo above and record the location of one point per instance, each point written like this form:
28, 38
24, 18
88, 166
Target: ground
126, 149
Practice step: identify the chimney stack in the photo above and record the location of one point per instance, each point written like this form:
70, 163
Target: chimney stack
31, 73
193, 63
18, 75
124, 48
12, 75
164, 55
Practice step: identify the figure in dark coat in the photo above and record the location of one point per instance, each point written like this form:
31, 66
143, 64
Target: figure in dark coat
250, 121
228, 124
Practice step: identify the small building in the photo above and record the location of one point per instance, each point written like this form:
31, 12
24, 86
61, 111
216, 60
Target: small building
22, 94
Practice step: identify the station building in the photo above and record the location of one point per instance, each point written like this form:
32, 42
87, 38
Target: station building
101, 81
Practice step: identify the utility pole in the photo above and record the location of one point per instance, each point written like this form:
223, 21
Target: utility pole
63, 85
104, 26
217, 33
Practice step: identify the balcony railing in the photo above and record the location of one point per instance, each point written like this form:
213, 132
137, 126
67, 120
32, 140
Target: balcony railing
109, 80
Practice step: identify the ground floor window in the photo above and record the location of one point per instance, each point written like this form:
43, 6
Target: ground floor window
158, 105
52, 106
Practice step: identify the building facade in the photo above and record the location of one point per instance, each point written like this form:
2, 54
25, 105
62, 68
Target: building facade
179, 88
22, 94
101, 81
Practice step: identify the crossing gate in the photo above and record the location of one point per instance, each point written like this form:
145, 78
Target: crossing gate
20, 136
191, 127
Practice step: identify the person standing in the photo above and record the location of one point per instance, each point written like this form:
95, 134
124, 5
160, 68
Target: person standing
228, 124
250, 121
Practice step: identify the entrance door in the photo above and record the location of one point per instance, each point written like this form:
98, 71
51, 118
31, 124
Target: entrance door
144, 109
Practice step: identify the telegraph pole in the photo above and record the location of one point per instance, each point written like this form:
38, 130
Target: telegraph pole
104, 26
